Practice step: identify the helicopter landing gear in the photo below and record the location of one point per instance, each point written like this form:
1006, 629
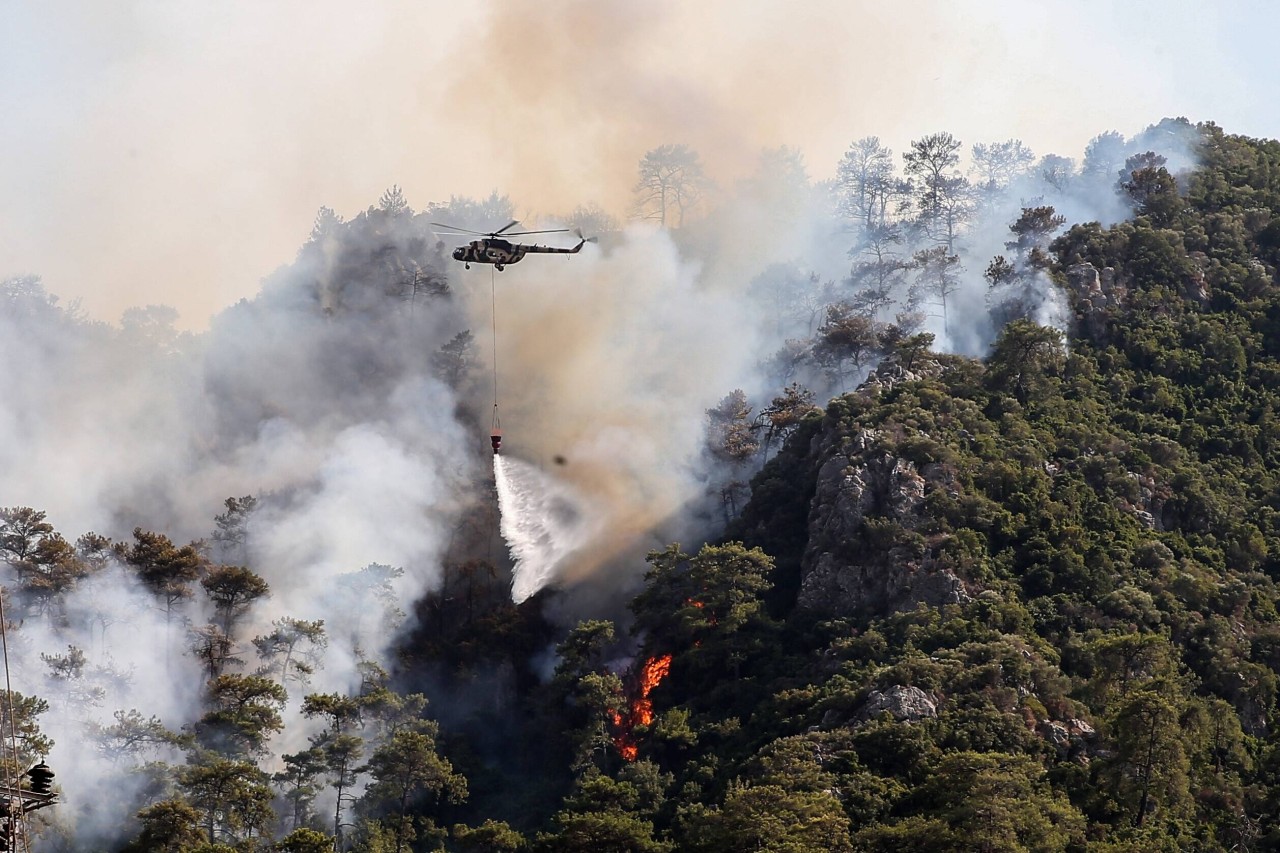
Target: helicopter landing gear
499, 267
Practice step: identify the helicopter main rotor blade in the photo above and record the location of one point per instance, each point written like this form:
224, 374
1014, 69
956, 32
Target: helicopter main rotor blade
501, 232
455, 229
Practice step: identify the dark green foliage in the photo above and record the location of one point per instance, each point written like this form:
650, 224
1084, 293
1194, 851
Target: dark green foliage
1102, 673
408, 782
1107, 499
767, 818
169, 826
490, 837
244, 713
165, 569
232, 589
304, 841
231, 797
603, 814
19, 715
689, 598
846, 339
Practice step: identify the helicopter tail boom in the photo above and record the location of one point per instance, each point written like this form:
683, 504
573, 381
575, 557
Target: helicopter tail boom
549, 250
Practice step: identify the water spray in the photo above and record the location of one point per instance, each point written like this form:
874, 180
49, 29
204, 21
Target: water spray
542, 520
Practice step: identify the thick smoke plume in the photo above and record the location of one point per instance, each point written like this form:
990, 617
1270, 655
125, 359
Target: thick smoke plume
167, 152
326, 397
325, 394
609, 361
319, 397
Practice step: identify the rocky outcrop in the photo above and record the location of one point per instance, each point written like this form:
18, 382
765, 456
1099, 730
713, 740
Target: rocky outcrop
1195, 287
890, 372
905, 704
1151, 502
1072, 738
840, 572
1094, 294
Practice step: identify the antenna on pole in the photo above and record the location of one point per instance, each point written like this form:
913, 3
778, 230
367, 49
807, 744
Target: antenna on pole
15, 800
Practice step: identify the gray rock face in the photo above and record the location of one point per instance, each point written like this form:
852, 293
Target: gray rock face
1072, 738
1195, 288
1056, 734
889, 373
857, 481
905, 704
1150, 506
1094, 292
1080, 729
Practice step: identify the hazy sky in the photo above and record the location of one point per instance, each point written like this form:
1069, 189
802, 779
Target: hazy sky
176, 152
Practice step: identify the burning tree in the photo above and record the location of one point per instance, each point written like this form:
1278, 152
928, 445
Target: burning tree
639, 707
590, 692
691, 599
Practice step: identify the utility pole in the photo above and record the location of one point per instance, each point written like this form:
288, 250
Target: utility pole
16, 801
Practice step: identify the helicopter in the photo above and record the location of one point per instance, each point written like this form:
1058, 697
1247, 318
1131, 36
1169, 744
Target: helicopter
494, 248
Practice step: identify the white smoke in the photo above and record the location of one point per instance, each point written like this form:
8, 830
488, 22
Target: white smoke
318, 397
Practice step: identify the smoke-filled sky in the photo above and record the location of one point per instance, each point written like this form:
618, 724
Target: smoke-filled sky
175, 152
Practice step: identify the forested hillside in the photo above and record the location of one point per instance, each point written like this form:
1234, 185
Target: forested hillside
1030, 601
987, 556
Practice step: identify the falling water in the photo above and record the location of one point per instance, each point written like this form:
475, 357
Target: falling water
542, 522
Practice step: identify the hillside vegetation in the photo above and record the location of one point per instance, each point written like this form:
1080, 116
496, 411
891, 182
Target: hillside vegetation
1025, 603
1020, 603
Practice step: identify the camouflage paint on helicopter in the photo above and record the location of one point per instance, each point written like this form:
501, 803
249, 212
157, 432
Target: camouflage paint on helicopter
494, 248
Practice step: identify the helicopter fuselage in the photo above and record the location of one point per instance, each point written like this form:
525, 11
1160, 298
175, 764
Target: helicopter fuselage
499, 252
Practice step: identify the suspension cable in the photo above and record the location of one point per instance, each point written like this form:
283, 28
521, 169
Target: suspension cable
497, 422
493, 314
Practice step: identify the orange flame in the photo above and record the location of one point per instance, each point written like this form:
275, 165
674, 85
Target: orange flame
711, 617
651, 675
640, 708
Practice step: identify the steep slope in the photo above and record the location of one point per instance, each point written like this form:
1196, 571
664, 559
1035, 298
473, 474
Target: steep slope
1064, 555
